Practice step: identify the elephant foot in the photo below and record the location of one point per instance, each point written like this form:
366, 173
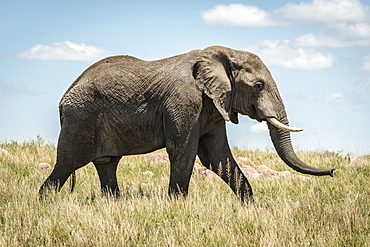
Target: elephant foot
109, 192
49, 187
248, 200
177, 193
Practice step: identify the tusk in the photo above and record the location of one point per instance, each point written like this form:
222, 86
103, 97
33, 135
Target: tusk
279, 125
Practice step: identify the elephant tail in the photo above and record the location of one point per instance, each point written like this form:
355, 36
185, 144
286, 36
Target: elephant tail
73, 181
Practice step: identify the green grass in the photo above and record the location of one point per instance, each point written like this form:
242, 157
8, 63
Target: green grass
320, 211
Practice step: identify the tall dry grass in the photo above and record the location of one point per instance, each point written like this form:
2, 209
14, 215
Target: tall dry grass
320, 211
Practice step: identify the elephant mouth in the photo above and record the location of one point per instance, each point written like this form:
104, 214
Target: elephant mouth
273, 121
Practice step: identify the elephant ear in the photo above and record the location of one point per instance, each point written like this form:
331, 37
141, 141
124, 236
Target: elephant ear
213, 75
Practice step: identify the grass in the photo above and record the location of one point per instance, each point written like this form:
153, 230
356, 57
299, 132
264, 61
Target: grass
320, 211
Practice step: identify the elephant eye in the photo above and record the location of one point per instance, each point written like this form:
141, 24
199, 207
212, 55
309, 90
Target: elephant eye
259, 85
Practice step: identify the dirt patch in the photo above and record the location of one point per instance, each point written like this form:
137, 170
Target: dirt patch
355, 161
250, 170
156, 158
253, 171
4, 152
44, 166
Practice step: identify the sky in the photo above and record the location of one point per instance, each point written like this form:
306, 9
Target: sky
318, 52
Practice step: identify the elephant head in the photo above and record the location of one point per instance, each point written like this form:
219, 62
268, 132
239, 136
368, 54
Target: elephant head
239, 82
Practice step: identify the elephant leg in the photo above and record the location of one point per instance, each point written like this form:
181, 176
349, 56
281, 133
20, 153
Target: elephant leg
182, 157
181, 132
180, 174
72, 154
107, 171
57, 178
214, 153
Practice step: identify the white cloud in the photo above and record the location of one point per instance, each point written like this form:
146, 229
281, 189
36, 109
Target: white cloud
334, 98
302, 96
313, 40
325, 11
259, 128
11, 90
366, 68
366, 63
316, 11
66, 50
285, 55
349, 97
237, 15
340, 23
337, 35
350, 31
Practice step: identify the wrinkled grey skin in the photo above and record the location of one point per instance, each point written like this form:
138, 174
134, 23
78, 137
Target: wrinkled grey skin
123, 106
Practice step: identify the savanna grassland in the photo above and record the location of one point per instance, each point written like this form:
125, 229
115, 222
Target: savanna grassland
319, 211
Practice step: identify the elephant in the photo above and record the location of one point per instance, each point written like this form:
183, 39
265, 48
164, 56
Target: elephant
122, 105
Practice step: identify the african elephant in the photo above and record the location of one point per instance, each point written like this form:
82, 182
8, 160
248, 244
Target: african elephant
122, 105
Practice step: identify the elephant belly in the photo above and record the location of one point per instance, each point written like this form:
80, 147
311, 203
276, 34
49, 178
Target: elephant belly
105, 127
130, 137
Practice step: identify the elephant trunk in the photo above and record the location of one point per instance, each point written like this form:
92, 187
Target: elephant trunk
283, 145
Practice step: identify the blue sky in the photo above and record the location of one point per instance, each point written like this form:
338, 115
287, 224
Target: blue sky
317, 50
